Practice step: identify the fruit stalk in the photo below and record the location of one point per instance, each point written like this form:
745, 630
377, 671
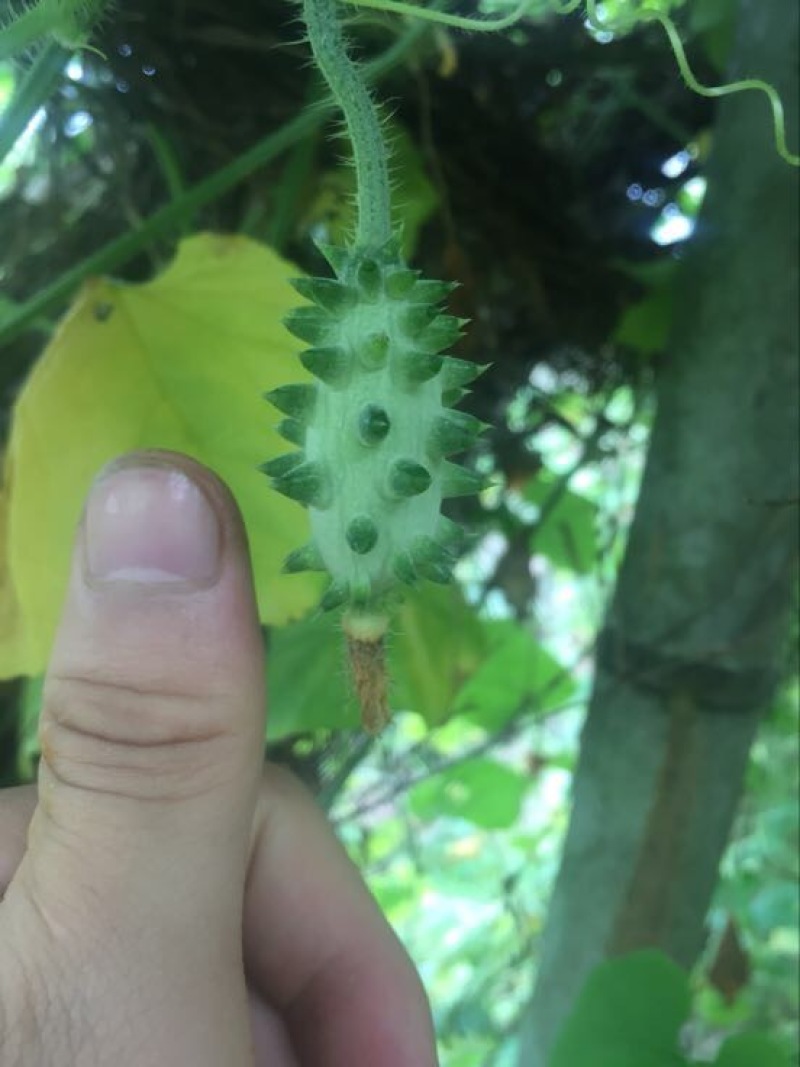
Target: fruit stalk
361, 117
373, 430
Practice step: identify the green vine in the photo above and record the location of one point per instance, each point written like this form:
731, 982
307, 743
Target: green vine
34, 87
622, 24
457, 22
744, 85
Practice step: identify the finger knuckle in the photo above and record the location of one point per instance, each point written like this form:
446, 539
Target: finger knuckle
139, 741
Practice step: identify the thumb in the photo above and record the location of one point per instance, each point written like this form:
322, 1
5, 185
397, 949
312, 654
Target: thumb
151, 726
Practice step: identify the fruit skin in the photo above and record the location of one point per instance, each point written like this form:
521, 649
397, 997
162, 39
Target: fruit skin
374, 428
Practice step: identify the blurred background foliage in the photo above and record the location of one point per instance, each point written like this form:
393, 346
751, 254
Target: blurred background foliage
557, 173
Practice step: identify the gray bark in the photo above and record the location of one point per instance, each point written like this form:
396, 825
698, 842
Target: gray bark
695, 640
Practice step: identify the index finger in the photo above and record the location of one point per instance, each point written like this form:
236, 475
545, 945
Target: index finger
318, 948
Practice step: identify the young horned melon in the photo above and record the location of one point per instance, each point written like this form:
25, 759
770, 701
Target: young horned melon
375, 429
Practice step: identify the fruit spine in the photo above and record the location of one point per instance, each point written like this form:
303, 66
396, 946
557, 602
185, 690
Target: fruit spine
375, 428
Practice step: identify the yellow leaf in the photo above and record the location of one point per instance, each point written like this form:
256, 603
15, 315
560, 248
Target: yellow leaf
179, 363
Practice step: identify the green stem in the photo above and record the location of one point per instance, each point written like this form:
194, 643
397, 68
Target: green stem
350, 92
25, 30
168, 218
34, 90
168, 162
744, 85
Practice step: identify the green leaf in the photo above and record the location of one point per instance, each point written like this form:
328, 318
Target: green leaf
438, 641
691, 195
6, 84
751, 1050
645, 326
629, 1014
480, 791
517, 674
567, 533
473, 1053
177, 363
394, 897
7, 308
30, 701
774, 905
306, 683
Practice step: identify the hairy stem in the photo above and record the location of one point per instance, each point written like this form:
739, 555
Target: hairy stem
361, 117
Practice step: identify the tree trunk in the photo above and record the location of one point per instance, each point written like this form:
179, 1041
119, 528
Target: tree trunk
694, 643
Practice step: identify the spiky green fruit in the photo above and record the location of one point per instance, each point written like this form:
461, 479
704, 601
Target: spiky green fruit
280, 465
373, 424
331, 365
307, 558
418, 367
408, 478
375, 428
309, 324
327, 292
398, 283
296, 401
453, 431
293, 431
310, 483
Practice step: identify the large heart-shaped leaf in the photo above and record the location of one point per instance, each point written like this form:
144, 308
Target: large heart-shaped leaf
517, 675
629, 1014
179, 363
480, 791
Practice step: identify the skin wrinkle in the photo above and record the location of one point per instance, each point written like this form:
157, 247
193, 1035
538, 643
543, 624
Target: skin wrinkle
19, 1016
122, 1021
272, 1048
54, 929
102, 689
346, 974
62, 722
42, 1010
135, 723
102, 939
134, 774
204, 681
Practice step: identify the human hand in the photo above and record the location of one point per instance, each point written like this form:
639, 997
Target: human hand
168, 902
